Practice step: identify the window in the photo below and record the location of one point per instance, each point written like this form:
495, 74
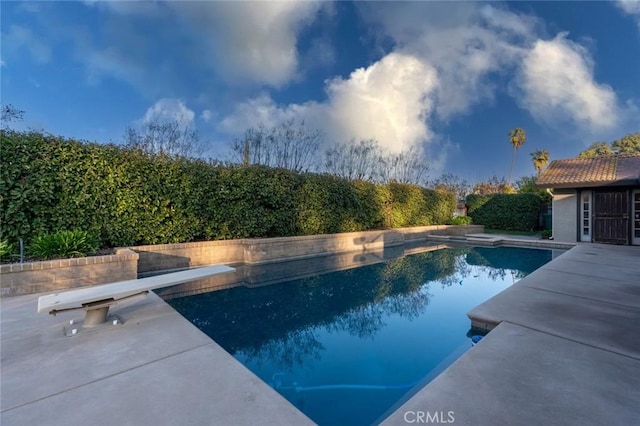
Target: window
636, 216
586, 216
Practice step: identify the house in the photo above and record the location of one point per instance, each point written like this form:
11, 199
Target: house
595, 199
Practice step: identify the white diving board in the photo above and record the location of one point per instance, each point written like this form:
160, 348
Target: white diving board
97, 299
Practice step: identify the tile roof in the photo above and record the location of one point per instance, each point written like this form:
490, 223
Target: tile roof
604, 170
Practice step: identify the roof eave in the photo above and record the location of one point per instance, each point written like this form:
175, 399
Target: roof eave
623, 182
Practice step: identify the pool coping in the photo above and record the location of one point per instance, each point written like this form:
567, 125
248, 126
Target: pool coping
494, 240
37, 336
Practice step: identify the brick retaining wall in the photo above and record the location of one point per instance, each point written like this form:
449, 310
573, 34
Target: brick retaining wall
132, 262
61, 274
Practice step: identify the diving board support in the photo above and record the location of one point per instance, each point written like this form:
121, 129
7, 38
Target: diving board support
96, 314
97, 300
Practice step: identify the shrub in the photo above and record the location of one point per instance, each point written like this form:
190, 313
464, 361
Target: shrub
329, 204
440, 205
28, 184
527, 184
461, 220
245, 202
63, 244
511, 212
6, 249
412, 205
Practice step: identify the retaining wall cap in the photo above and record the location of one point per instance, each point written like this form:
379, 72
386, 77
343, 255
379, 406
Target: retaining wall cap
121, 254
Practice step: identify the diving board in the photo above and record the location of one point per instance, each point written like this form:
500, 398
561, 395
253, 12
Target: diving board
96, 300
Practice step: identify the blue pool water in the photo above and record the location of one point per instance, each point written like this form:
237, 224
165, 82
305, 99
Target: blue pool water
347, 347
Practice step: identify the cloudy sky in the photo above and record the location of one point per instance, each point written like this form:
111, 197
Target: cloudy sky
452, 77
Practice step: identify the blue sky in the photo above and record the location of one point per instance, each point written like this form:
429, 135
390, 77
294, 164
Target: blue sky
450, 77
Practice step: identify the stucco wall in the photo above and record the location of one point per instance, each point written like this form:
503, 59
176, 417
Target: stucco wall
564, 215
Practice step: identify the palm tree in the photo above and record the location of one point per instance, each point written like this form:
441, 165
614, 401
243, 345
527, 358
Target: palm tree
540, 159
517, 137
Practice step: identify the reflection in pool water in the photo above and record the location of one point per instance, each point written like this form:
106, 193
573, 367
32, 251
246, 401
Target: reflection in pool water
345, 347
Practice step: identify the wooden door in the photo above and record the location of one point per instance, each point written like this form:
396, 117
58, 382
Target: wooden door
611, 217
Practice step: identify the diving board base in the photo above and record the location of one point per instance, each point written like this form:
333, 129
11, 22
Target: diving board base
77, 328
96, 318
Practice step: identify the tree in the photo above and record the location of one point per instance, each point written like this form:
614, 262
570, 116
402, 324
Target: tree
408, 166
540, 159
528, 184
517, 137
452, 183
10, 113
493, 185
355, 161
366, 160
596, 149
165, 137
629, 144
289, 145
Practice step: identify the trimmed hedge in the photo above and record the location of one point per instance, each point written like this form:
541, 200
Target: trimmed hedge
125, 197
512, 212
412, 205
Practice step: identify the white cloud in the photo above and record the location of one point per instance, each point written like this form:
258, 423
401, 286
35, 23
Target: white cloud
21, 37
110, 62
509, 24
464, 42
206, 115
262, 109
320, 54
30, 7
127, 7
245, 44
249, 42
464, 58
471, 44
439, 66
558, 84
632, 7
438, 153
445, 59
170, 109
413, 20
388, 101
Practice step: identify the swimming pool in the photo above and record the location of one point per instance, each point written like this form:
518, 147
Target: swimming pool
347, 347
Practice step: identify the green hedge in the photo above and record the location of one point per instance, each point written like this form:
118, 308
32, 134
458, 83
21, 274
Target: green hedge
328, 204
412, 205
125, 197
512, 212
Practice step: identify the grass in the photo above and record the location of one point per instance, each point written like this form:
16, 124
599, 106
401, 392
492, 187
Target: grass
502, 231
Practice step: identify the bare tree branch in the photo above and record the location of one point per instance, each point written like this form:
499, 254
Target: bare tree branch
170, 138
10, 113
452, 183
355, 161
289, 145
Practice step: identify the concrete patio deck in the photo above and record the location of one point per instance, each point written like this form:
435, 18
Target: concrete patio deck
155, 369
566, 351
